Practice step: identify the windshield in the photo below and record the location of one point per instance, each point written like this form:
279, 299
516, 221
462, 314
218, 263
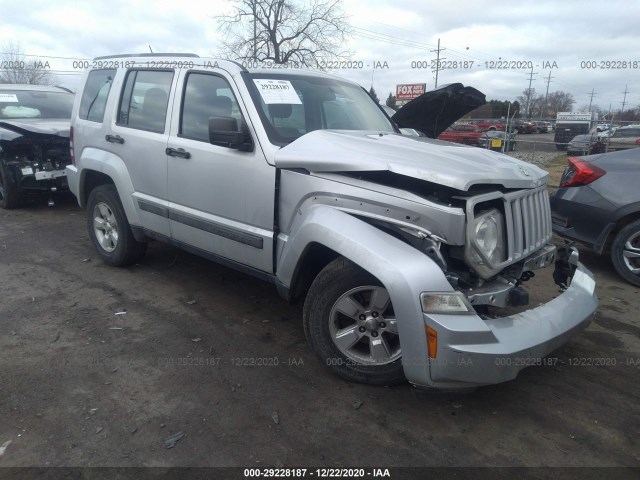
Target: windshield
292, 105
34, 104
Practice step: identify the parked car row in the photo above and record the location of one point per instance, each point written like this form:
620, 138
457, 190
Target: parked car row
543, 126
490, 125
611, 140
516, 125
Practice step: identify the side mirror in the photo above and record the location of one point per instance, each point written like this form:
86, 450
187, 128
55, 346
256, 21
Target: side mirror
223, 131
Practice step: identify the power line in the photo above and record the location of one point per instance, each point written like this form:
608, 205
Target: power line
42, 56
394, 40
382, 37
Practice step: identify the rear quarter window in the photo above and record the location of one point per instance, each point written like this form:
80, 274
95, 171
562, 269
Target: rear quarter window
95, 95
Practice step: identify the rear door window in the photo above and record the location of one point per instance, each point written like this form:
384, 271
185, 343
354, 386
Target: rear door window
144, 100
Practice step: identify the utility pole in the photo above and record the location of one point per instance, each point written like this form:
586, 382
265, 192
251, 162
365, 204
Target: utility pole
591, 99
546, 95
437, 61
529, 93
624, 99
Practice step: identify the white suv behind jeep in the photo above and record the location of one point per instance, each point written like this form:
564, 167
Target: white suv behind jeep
398, 245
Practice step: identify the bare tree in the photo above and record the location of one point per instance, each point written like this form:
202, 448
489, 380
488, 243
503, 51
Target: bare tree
283, 31
17, 69
556, 102
593, 107
560, 102
532, 104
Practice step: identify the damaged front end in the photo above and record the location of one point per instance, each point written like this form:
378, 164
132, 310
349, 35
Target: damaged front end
32, 162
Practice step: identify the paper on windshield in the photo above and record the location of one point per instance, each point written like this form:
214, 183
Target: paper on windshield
8, 97
277, 92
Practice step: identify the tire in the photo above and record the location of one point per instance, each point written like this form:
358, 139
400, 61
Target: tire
109, 229
9, 196
343, 286
625, 245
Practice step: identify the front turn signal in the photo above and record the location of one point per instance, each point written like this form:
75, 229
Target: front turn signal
432, 342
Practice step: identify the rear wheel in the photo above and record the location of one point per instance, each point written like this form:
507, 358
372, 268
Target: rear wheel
625, 253
9, 197
350, 324
109, 229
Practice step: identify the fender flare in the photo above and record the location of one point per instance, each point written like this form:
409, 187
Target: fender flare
94, 159
404, 271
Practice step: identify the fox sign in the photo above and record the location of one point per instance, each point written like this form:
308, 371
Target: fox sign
409, 91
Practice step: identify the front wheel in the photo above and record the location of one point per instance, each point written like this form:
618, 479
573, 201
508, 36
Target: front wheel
109, 229
350, 324
625, 253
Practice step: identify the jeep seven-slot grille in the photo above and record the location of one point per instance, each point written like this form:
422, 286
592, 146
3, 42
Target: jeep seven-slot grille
528, 219
527, 227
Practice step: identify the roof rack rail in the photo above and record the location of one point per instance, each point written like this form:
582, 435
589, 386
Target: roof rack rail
125, 55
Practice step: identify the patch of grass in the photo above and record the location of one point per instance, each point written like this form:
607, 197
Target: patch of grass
555, 168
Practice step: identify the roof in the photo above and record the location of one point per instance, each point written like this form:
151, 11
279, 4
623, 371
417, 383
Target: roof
166, 60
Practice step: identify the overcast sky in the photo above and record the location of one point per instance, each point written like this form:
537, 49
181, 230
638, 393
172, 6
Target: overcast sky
564, 33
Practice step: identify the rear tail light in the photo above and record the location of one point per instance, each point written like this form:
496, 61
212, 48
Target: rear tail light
72, 154
579, 173
638, 141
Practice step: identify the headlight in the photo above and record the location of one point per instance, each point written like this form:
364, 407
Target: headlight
445, 302
489, 235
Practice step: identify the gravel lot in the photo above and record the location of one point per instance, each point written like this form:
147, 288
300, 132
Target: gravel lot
83, 383
536, 148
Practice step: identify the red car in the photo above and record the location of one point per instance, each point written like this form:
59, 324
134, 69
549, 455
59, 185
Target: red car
463, 133
490, 125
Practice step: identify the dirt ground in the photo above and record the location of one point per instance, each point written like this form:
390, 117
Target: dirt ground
81, 385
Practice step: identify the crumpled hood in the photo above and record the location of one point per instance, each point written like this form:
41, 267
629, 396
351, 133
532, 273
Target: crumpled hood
24, 126
452, 165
